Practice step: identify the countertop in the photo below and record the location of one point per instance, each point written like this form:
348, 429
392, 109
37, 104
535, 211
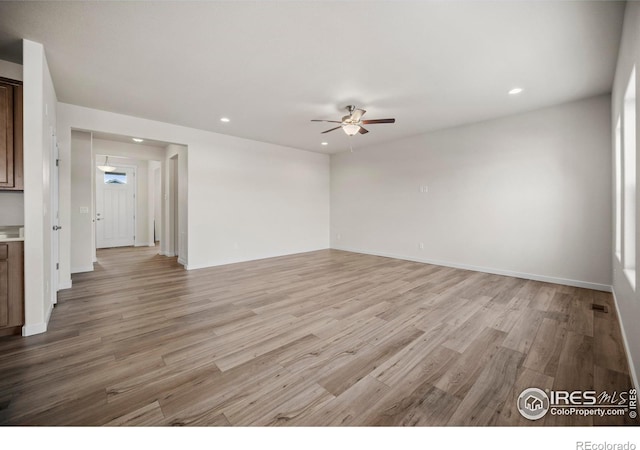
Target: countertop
11, 233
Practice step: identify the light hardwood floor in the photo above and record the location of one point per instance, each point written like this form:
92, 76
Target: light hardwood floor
321, 338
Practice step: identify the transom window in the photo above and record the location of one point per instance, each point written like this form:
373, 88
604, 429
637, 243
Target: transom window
115, 178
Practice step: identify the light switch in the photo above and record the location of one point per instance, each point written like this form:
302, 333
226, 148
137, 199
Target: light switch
84, 210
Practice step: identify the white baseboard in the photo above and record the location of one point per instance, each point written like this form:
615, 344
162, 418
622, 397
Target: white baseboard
38, 328
182, 262
82, 269
169, 254
235, 261
48, 315
65, 284
144, 244
509, 273
632, 368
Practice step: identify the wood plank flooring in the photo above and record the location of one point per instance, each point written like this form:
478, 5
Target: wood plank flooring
320, 338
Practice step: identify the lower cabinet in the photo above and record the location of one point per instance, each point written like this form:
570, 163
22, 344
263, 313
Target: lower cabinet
11, 288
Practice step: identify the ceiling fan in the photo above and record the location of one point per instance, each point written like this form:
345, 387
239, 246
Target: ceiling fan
352, 122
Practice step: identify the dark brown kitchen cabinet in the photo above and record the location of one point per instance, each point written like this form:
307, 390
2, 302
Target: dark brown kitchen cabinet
11, 287
11, 168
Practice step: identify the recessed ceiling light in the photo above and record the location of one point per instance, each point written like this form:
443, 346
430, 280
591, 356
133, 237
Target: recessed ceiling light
137, 140
224, 119
515, 91
324, 143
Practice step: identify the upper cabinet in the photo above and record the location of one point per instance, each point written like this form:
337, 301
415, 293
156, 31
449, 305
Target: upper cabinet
11, 135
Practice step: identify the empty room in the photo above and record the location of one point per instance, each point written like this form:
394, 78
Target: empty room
319, 214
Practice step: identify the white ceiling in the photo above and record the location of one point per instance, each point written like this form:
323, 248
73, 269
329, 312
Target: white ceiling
271, 66
128, 139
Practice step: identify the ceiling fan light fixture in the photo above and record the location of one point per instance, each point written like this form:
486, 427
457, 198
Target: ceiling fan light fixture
351, 129
106, 167
352, 123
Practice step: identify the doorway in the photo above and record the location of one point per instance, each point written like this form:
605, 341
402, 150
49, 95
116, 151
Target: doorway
159, 205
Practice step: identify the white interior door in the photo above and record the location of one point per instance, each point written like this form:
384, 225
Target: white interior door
115, 207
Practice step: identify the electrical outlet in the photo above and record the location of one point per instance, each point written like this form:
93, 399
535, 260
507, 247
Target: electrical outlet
424, 189
421, 245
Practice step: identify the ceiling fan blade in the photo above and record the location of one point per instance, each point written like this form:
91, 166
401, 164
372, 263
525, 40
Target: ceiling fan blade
363, 131
357, 115
322, 120
379, 121
330, 130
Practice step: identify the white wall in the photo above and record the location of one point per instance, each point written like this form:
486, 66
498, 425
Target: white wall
527, 195
10, 70
11, 208
249, 200
246, 199
140, 152
39, 120
176, 203
628, 300
82, 223
11, 203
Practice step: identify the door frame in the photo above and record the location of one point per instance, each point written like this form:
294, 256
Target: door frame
175, 217
158, 204
135, 197
54, 225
